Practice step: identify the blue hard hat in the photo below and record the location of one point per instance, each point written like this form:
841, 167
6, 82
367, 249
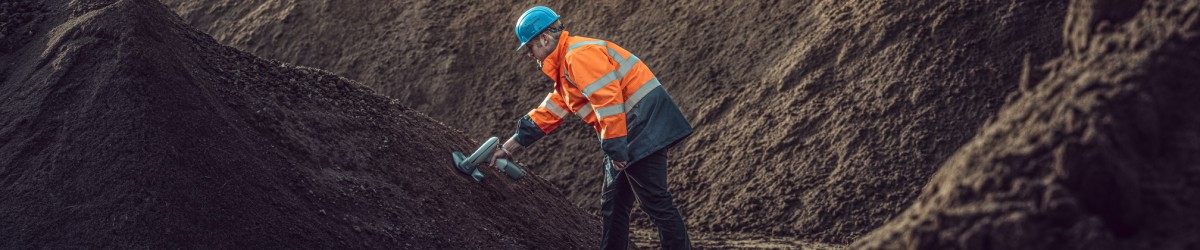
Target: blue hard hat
533, 22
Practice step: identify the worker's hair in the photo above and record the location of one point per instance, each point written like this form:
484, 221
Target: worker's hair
554, 30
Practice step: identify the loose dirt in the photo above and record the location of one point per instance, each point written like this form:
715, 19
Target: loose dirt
121, 127
817, 120
888, 125
1100, 148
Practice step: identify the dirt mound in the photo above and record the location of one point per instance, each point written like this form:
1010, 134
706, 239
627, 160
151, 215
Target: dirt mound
814, 119
121, 127
1098, 150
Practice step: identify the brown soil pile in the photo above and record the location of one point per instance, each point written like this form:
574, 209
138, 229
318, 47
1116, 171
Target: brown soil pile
120, 127
1100, 149
815, 119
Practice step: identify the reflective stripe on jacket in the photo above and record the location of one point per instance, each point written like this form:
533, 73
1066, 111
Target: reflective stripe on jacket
612, 90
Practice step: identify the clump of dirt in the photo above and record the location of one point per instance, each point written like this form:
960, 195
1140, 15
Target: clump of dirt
121, 127
13, 29
1100, 148
814, 119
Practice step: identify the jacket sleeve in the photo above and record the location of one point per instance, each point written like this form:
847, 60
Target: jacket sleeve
595, 72
542, 120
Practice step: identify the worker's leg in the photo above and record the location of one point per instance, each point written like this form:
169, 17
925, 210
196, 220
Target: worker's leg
649, 179
616, 200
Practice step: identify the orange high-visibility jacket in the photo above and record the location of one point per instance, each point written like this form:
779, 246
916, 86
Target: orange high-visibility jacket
612, 90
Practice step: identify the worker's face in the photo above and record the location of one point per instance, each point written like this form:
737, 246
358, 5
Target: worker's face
538, 49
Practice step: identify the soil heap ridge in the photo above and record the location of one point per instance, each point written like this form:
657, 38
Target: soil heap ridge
814, 119
122, 127
1099, 149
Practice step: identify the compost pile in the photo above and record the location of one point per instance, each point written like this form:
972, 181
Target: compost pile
818, 120
122, 127
1099, 149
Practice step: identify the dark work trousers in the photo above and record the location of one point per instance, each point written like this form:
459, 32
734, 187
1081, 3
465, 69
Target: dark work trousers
646, 178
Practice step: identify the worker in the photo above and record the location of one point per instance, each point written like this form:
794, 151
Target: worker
609, 88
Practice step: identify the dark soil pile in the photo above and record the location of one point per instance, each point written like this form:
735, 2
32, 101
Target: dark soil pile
815, 119
121, 127
851, 104
1100, 149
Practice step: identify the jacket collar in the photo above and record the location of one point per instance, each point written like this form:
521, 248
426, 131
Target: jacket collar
552, 66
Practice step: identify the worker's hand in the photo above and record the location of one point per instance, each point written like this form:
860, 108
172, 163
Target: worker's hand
499, 154
619, 165
505, 151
